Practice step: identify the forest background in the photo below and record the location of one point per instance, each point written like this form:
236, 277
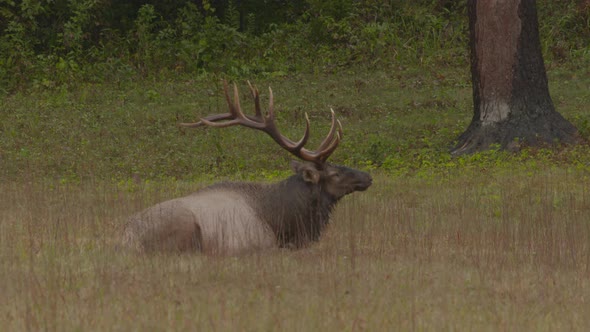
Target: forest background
55, 43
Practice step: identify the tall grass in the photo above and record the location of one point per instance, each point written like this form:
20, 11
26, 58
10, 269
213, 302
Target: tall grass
484, 251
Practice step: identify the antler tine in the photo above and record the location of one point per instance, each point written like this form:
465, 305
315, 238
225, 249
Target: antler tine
230, 103
305, 137
326, 142
235, 117
212, 120
256, 97
209, 119
246, 120
271, 106
327, 147
272, 130
326, 152
237, 107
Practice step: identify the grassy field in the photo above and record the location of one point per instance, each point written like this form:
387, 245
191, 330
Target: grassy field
492, 241
484, 251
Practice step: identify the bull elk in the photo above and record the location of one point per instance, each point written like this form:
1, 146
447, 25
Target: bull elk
236, 217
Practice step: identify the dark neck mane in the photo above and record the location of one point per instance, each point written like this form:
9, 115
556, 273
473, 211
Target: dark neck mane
296, 211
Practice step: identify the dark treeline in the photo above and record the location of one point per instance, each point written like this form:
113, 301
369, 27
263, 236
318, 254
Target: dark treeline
47, 43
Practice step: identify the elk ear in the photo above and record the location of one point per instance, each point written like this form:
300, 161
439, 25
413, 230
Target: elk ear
308, 171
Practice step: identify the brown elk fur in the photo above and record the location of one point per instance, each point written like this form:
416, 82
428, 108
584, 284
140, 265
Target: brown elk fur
236, 217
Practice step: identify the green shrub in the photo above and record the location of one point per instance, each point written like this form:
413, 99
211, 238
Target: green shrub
53, 44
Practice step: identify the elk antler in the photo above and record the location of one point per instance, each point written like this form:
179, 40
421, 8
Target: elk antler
267, 124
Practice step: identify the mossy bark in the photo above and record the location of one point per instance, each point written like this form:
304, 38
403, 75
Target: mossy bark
511, 100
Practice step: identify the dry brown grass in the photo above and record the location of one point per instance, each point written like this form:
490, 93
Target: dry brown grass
488, 251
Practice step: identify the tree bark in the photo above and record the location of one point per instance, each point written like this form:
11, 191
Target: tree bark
511, 101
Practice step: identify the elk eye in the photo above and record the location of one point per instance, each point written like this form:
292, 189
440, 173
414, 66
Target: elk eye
335, 175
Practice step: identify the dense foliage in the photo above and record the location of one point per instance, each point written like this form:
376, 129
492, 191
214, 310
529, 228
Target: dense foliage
54, 43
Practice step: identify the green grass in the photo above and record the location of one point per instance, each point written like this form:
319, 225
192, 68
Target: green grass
490, 241
118, 131
404, 120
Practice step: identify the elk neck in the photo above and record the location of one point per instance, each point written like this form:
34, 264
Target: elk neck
296, 210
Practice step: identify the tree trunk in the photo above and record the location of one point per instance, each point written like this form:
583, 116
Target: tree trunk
511, 101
